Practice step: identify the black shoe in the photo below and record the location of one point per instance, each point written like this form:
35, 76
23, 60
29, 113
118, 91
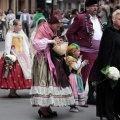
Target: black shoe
85, 105
91, 102
53, 113
45, 116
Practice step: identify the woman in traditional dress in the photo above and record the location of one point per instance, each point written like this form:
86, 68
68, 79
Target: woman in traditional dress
38, 23
50, 86
15, 74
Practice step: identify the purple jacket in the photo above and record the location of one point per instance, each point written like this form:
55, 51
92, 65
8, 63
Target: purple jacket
81, 31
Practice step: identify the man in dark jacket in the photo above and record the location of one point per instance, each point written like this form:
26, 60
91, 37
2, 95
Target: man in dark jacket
86, 31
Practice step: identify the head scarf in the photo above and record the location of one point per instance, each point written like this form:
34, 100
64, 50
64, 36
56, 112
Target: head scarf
56, 18
12, 29
72, 48
32, 51
90, 2
37, 17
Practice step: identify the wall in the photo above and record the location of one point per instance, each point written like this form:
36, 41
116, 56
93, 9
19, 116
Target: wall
4, 4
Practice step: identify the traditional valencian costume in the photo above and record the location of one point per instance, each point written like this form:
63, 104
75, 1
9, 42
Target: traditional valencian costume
75, 65
51, 85
19, 77
38, 22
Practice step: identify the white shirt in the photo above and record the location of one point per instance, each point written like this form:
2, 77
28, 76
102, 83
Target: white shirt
97, 29
9, 17
24, 16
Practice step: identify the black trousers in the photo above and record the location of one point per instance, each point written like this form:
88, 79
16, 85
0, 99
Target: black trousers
25, 26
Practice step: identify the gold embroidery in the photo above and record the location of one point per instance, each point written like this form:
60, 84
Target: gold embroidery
17, 42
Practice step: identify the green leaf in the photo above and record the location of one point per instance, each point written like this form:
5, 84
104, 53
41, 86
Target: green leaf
105, 70
113, 83
94, 83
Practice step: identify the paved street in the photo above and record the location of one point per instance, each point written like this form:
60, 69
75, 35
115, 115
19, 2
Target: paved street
21, 109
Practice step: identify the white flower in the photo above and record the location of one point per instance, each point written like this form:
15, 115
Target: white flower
113, 73
3, 19
12, 57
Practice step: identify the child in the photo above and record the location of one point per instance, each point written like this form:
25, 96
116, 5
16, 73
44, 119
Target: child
75, 63
15, 64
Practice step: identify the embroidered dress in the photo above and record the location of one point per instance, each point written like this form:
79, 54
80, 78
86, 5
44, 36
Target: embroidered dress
76, 81
20, 75
48, 90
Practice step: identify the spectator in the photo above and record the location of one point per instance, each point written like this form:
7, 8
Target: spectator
25, 19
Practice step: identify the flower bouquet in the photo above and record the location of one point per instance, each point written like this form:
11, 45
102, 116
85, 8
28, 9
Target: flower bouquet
2, 21
111, 73
10, 59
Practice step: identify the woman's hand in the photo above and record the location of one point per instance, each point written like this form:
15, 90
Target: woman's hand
56, 41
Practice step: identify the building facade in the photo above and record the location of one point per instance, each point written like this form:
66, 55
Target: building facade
17, 5
79, 4
31, 5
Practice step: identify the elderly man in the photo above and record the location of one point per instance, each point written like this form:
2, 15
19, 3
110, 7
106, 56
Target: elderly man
86, 31
26, 20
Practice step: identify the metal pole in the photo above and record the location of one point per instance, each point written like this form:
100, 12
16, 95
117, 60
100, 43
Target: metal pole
52, 5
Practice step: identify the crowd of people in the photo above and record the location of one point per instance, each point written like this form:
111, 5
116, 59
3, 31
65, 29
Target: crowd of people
56, 64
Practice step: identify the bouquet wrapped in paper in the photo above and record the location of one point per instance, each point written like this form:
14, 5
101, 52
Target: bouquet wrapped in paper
9, 60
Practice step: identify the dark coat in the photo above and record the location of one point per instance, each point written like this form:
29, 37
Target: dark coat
107, 99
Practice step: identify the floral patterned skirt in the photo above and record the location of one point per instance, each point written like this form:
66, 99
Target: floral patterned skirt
44, 91
15, 79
